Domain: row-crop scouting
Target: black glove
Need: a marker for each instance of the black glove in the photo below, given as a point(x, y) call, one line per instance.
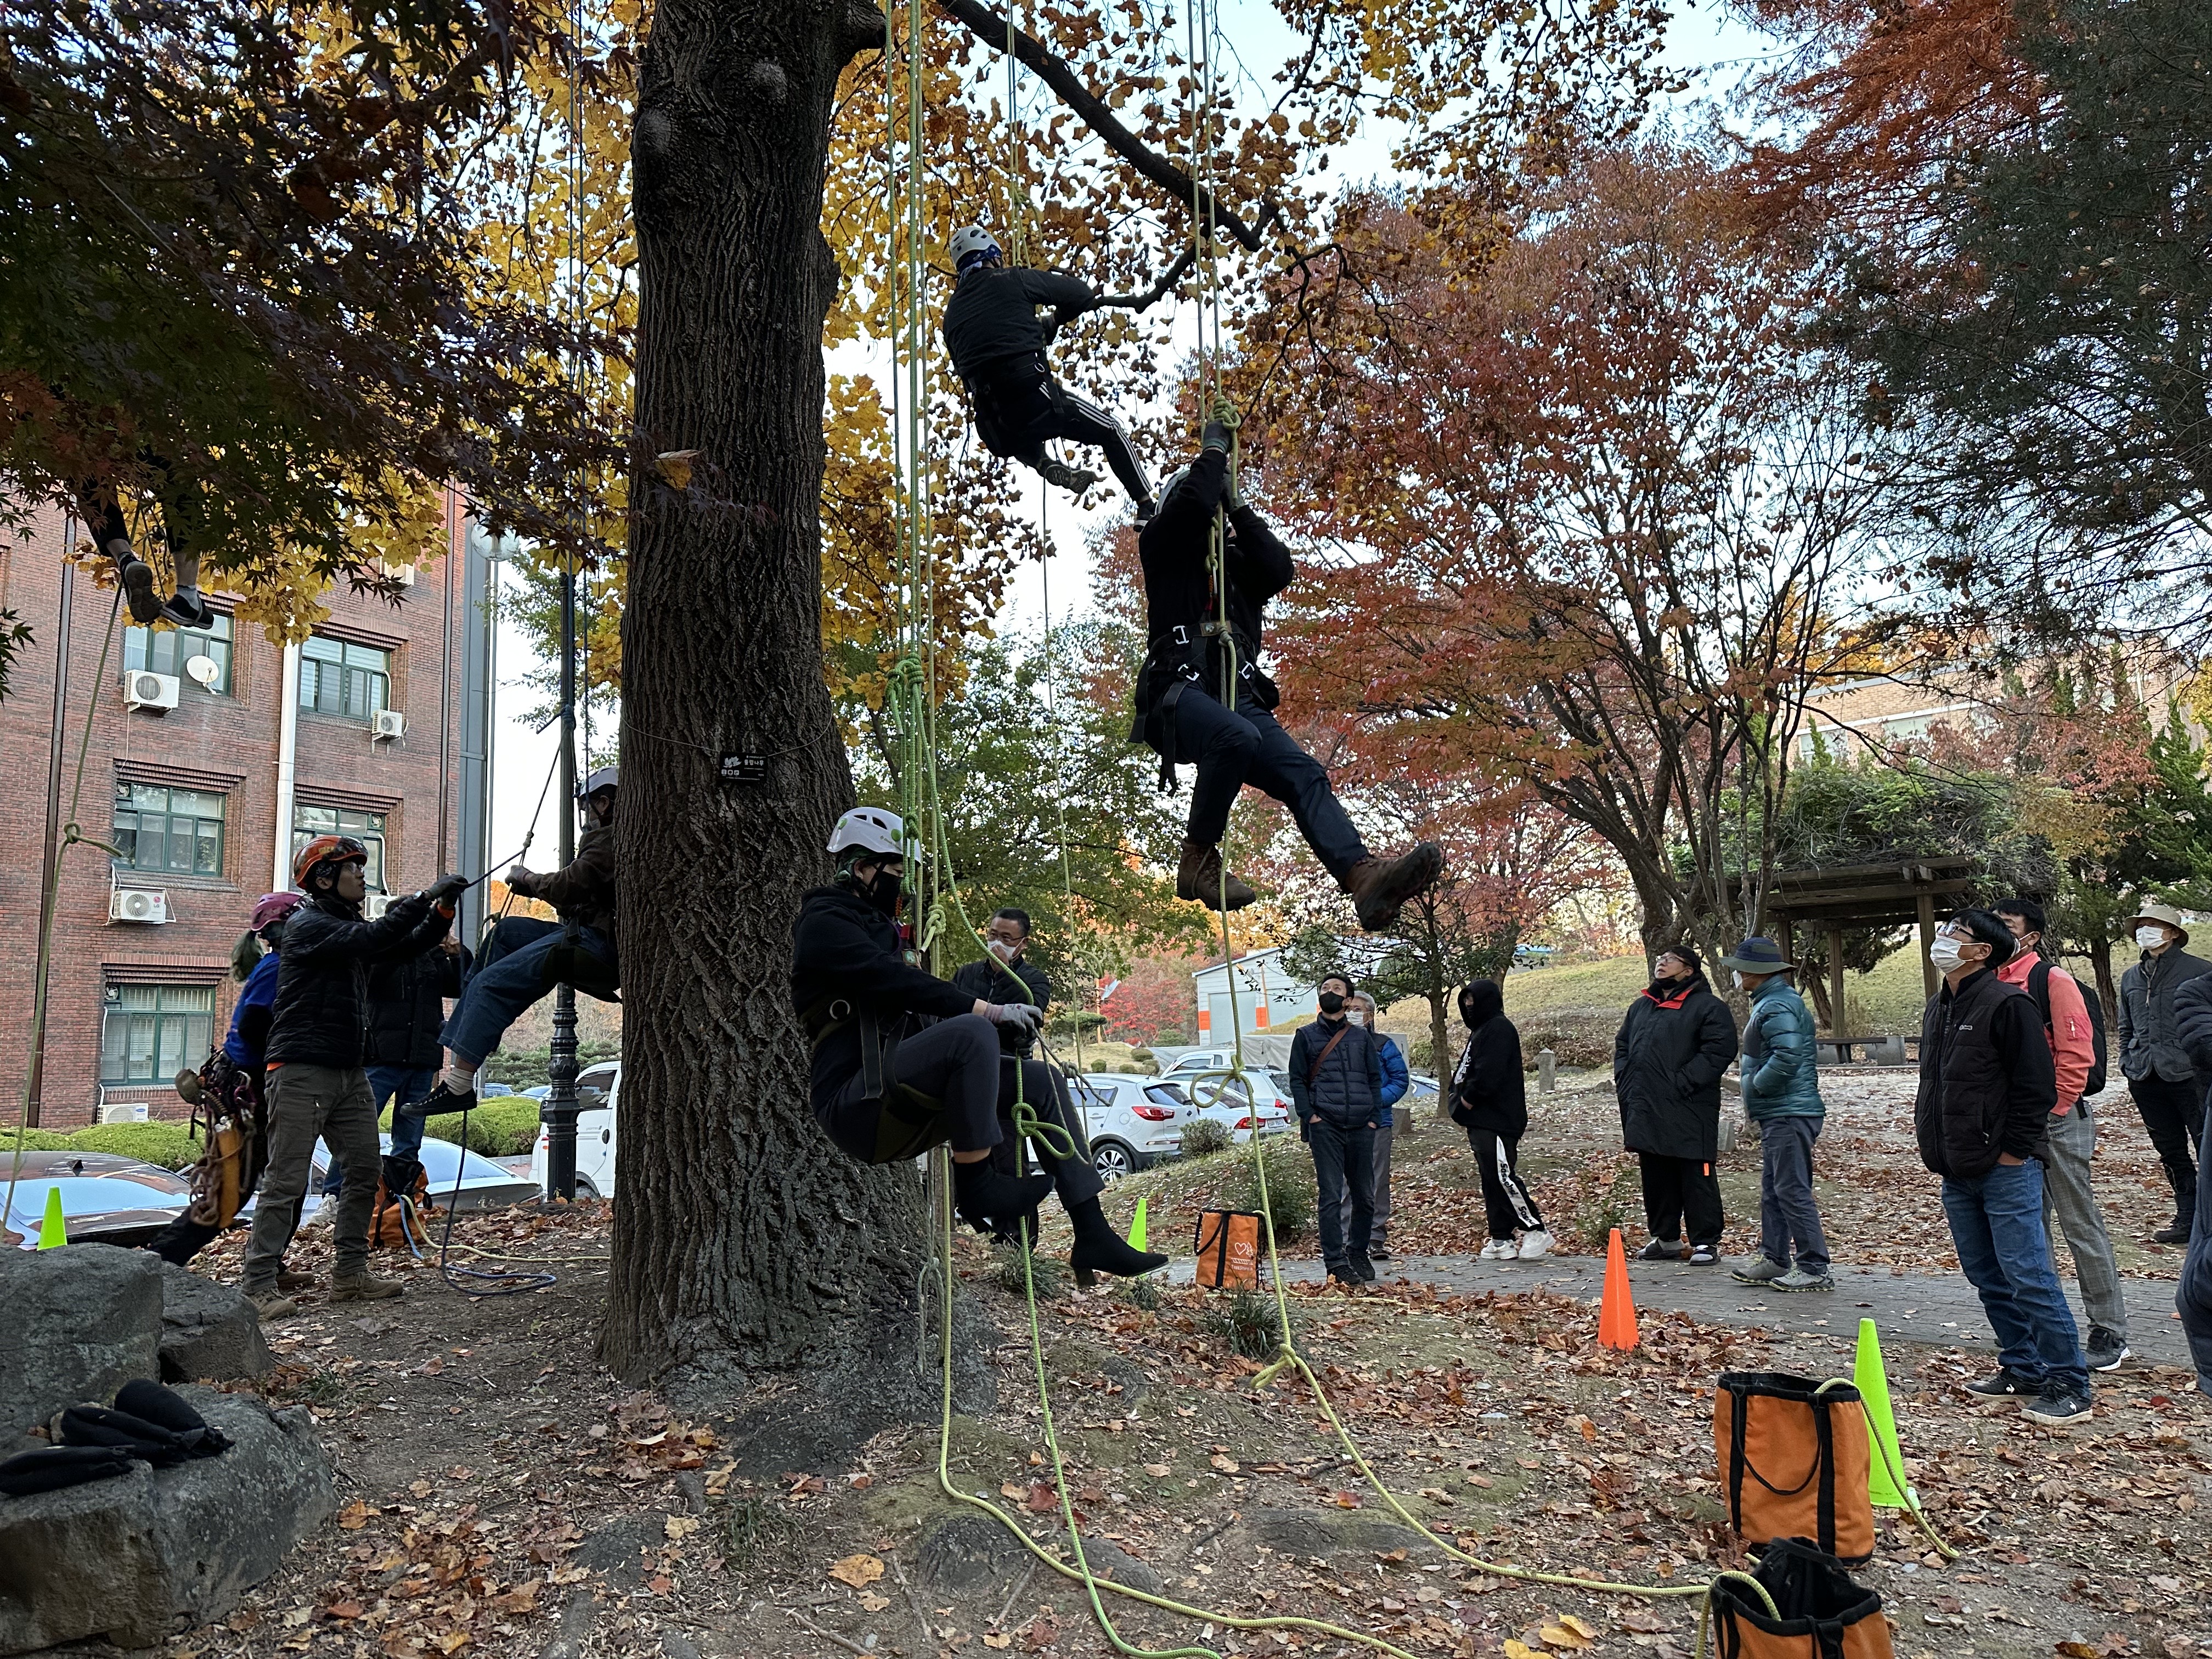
point(445, 889)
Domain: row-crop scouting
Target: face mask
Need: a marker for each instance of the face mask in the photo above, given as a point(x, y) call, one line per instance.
point(1331, 1003)
point(1001, 949)
point(1735, 978)
point(1943, 951)
point(1358, 1016)
point(884, 892)
point(2150, 938)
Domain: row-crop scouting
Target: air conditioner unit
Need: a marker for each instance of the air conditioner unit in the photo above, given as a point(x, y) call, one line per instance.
point(138, 904)
point(141, 690)
point(389, 723)
point(122, 1111)
point(373, 905)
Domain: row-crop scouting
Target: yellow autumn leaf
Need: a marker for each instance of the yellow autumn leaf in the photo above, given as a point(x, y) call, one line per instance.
point(1521, 1650)
point(1560, 1636)
point(1577, 1625)
point(858, 1571)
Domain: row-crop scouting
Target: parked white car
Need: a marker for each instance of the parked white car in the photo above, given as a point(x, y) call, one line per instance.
point(597, 1088)
point(1131, 1123)
point(1228, 1104)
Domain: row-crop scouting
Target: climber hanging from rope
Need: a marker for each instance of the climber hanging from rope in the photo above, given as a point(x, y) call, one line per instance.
point(903, 1062)
point(997, 347)
point(110, 533)
point(1180, 714)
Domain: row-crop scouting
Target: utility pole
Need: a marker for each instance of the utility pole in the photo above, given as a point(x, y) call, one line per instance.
point(559, 1112)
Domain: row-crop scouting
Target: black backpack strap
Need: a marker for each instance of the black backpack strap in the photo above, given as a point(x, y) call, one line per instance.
point(1738, 1459)
point(1826, 1500)
point(2038, 987)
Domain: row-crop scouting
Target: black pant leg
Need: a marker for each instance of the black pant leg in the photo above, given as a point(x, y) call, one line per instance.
point(1295, 778)
point(2170, 1117)
point(181, 1240)
point(1701, 1202)
point(1359, 1179)
point(1074, 1177)
point(1663, 1195)
point(954, 1064)
point(1080, 420)
point(1224, 746)
point(1326, 1142)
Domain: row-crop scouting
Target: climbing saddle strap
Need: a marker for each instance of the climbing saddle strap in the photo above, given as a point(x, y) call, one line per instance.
point(908, 1122)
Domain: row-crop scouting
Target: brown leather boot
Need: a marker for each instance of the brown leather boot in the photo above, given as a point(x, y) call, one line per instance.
point(1379, 886)
point(1199, 877)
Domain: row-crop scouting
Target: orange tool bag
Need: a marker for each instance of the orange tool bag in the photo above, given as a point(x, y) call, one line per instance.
point(1793, 1455)
point(1801, 1604)
point(1227, 1246)
point(388, 1221)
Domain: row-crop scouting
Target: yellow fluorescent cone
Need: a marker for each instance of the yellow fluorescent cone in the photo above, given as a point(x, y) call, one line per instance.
point(1874, 1388)
point(53, 1231)
point(1137, 1226)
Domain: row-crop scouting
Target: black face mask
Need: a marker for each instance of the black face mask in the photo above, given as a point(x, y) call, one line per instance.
point(884, 892)
point(1331, 1003)
point(273, 934)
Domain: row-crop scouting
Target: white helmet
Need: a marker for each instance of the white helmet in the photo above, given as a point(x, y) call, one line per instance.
point(604, 777)
point(869, 829)
point(972, 242)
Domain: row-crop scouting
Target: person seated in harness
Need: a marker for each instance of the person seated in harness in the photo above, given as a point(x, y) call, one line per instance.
point(903, 1062)
point(997, 346)
point(1182, 714)
point(526, 956)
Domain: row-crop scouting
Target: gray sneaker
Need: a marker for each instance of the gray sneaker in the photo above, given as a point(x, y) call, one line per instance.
point(1760, 1270)
point(1798, 1280)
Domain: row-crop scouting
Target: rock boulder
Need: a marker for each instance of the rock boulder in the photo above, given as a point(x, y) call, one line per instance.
point(210, 1332)
point(79, 1322)
point(131, 1559)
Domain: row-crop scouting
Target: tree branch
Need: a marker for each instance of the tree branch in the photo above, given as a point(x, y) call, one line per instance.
point(1158, 291)
point(994, 32)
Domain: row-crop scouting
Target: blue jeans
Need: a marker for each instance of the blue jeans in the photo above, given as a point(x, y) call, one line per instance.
point(1786, 1209)
point(1996, 1222)
point(512, 974)
point(400, 1086)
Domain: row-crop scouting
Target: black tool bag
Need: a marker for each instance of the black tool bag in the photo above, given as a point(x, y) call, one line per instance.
point(1818, 1612)
point(50, 1468)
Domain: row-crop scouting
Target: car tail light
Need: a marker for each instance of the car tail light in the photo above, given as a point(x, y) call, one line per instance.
point(1243, 1122)
point(1155, 1114)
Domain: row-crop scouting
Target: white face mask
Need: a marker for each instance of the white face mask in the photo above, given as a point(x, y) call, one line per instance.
point(1735, 977)
point(2150, 938)
point(1001, 949)
point(1943, 951)
point(1357, 1016)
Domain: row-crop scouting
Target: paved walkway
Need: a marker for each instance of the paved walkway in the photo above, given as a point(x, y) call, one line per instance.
point(1942, 1311)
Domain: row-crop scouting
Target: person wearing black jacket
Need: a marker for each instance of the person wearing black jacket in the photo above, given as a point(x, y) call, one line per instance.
point(997, 345)
point(1006, 976)
point(902, 1061)
point(1336, 1084)
point(2192, 1299)
point(317, 1039)
point(1981, 1114)
point(526, 956)
point(1490, 1101)
point(1676, 1040)
point(406, 1011)
point(1182, 716)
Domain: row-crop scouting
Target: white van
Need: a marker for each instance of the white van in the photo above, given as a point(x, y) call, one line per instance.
point(597, 1089)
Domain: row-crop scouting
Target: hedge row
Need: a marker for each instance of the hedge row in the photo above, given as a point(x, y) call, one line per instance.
point(497, 1128)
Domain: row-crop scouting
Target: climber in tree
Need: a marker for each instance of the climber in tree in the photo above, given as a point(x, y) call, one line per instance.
point(997, 341)
point(110, 531)
point(902, 1061)
point(1181, 712)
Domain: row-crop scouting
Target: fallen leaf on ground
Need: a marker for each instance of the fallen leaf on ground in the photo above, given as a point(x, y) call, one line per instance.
point(858, 1571)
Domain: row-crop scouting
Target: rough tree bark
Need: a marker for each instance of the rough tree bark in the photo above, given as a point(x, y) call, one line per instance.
point(743, 1241)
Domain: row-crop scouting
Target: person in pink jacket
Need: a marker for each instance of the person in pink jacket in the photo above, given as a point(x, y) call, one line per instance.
point(2068, 1193)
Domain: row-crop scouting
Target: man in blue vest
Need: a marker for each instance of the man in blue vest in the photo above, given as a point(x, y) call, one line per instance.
point(1336, 1084)
point(1987, 1086)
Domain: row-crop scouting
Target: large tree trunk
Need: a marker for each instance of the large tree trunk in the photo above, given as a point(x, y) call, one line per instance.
point(743, 1241)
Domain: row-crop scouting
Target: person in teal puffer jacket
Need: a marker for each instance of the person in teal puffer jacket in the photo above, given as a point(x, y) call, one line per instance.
point(1782, 1095)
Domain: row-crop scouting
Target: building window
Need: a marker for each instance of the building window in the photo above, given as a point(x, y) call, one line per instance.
point(172, 831)
point(350, 681)
point(367, 827)
point(152, 1032)
point(168, 650)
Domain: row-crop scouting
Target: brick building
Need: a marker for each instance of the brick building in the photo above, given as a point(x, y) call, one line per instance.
point(187, 775)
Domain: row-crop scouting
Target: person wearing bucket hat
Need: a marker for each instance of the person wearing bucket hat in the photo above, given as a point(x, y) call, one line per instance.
point(1782, 1095)
point(2168, 1090)
point(1674, 1042)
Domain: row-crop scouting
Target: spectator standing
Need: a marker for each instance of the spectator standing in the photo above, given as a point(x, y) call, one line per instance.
point(2070, 1197)
point(1982, 1116)
point(2192, 1015)
point(1396, 1079)
point(1008, 978)
point(317, 1036)
point(1782, 1095)
point(1490, 1101)
point(1336, 1084)
point(2169, 1092)
point(1676, 1040)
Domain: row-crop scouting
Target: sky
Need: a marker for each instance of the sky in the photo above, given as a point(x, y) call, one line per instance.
point(1702, 43)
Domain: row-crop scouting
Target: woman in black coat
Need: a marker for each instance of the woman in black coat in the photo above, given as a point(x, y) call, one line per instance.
point(1676, 1041)
point(1490, 1101)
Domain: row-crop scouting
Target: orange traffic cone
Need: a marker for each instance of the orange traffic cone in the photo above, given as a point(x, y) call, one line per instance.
point(1616, 1313)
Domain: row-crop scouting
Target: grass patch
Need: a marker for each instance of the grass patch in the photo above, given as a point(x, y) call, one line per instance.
point(755, 1530)
point(1250, 1323)
point(1144, 1292)
point(1049, 1273)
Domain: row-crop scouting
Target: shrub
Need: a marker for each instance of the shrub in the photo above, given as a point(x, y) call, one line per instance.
point(1250, 1323)
point(169, 1144)
point(1144, 1293)
point(1291, 1191)
point(1048, 1271)
point(1204, 1136)
point(34, 1140)
point(503, 1127)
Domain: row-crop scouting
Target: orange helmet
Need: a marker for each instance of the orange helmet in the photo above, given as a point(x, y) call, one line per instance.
point(325, 849)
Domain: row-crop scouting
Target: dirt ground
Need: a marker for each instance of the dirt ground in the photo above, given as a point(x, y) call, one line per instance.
point(501, 1496)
